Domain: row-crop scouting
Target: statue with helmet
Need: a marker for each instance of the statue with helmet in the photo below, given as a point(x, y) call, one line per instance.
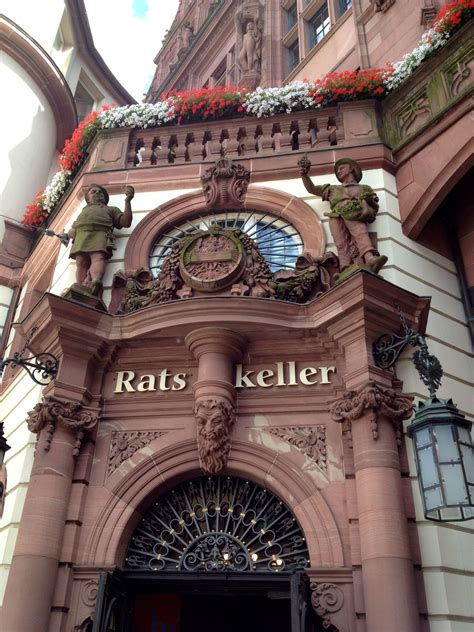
point(352, 207)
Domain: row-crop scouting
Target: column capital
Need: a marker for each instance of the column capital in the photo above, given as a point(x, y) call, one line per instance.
point(216, 340)
point(374, 399)
point(70, 415)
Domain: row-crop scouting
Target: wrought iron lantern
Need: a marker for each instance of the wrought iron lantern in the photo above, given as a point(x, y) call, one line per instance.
point(441, 435)
point(444, 459)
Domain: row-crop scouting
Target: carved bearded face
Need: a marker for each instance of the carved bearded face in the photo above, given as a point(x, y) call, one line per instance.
point(214, 421)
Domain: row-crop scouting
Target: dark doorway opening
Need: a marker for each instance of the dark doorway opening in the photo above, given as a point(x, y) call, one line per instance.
point(205, 602)
point(211, 613)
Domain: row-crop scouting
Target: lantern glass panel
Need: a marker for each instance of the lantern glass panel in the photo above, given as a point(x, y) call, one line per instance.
point(423, 437)
point(454, 484)
point(428, 469)
point(433, 498)
point(446, 443)
point(464, 435)
point(467, 452)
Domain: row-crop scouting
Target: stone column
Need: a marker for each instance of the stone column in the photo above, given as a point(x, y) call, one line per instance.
point(373, 415)
point(60, 426)
point(216, 350)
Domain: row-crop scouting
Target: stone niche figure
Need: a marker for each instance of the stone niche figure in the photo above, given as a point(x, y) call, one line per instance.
point(353, 207)
point(249, 26)
point(93, 236)
point(251, 52)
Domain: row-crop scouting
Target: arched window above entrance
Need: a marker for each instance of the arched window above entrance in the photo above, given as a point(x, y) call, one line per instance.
point(218, 524)
point(277, 239)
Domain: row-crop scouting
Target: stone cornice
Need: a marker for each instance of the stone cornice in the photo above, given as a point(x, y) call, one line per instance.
point(44, 72)
point(63, 324)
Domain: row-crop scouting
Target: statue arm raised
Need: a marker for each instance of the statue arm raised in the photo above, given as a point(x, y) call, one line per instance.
point(126, 217)
point(311, 187)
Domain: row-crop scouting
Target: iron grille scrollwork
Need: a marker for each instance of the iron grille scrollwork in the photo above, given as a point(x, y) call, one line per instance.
point(218, 524)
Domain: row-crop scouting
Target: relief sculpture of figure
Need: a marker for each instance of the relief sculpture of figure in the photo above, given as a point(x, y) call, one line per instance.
point(251, 51)
point(93, 235)
point(353, 207)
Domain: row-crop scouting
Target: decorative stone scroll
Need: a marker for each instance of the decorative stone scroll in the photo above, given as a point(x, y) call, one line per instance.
point(225, 184)
point(52, 412)
point(326, 599)
point(123, 445)
point(215, 419)
point(374, 399)
point(310, 440)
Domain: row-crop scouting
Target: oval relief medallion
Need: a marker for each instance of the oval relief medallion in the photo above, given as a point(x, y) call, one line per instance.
point(212, 260)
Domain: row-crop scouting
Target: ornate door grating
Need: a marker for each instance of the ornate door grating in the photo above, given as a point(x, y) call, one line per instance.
point(221, 524)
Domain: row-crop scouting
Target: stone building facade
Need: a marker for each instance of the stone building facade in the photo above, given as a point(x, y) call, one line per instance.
point(219, 447)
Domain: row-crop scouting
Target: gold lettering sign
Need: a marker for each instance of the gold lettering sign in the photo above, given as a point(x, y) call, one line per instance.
point(282, 374)
point(277, 375)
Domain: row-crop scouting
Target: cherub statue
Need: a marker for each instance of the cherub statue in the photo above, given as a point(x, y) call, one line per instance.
point(93, 235)
point(353, 207)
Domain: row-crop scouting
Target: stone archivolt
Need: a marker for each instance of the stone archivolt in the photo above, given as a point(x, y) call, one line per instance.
point(215, 419)
point(123, 445)
point(310, 440)
point(52, 412)
point(374, 399)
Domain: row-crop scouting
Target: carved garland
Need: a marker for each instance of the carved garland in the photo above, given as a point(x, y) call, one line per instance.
point(373, 398)
point(310, 440)
point(52, 412)
point(123, 445)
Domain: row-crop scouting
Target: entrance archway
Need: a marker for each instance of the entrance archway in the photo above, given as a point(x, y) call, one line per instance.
point(215, 554)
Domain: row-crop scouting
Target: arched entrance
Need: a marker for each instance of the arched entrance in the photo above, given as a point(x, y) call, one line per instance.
point(214, 554)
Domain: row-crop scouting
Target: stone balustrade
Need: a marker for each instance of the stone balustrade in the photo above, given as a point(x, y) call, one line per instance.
point(348, 124)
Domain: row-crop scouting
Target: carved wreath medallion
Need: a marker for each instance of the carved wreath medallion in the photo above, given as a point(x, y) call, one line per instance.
point(212, 260)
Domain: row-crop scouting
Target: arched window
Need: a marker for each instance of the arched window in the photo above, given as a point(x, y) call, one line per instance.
point(278, 241)
point(218, 524)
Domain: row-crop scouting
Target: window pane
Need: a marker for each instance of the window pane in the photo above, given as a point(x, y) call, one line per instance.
point(428, 471)
point(344, 5)
point(293, 55)
point(433, 499)
point(318, 25)
point(292, 16)
point(454, 485)
point(446, 443)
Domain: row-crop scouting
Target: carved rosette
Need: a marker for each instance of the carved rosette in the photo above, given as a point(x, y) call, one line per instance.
point(225, 184)
point(310, 440)
point(373, 399)
point(326, 599)
point(123, 445)
point(215, 419)
point(52, 412)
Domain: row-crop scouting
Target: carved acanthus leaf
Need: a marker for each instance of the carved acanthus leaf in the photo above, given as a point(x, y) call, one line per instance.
point(373, 399)
point(124, 444)
point(52, 412)
point(310, 440)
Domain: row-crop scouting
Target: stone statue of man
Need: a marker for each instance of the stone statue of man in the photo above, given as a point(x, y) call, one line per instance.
point(93, 235)
point(251, 51)
point(353, 207)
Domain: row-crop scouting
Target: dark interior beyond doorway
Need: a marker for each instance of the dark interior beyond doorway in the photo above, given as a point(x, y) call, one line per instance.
point(211, 613)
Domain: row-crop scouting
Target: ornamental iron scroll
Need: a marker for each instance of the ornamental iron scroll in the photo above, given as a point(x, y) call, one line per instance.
point(218, 524)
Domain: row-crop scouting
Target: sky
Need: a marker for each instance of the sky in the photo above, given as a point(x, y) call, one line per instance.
point(128, 34)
